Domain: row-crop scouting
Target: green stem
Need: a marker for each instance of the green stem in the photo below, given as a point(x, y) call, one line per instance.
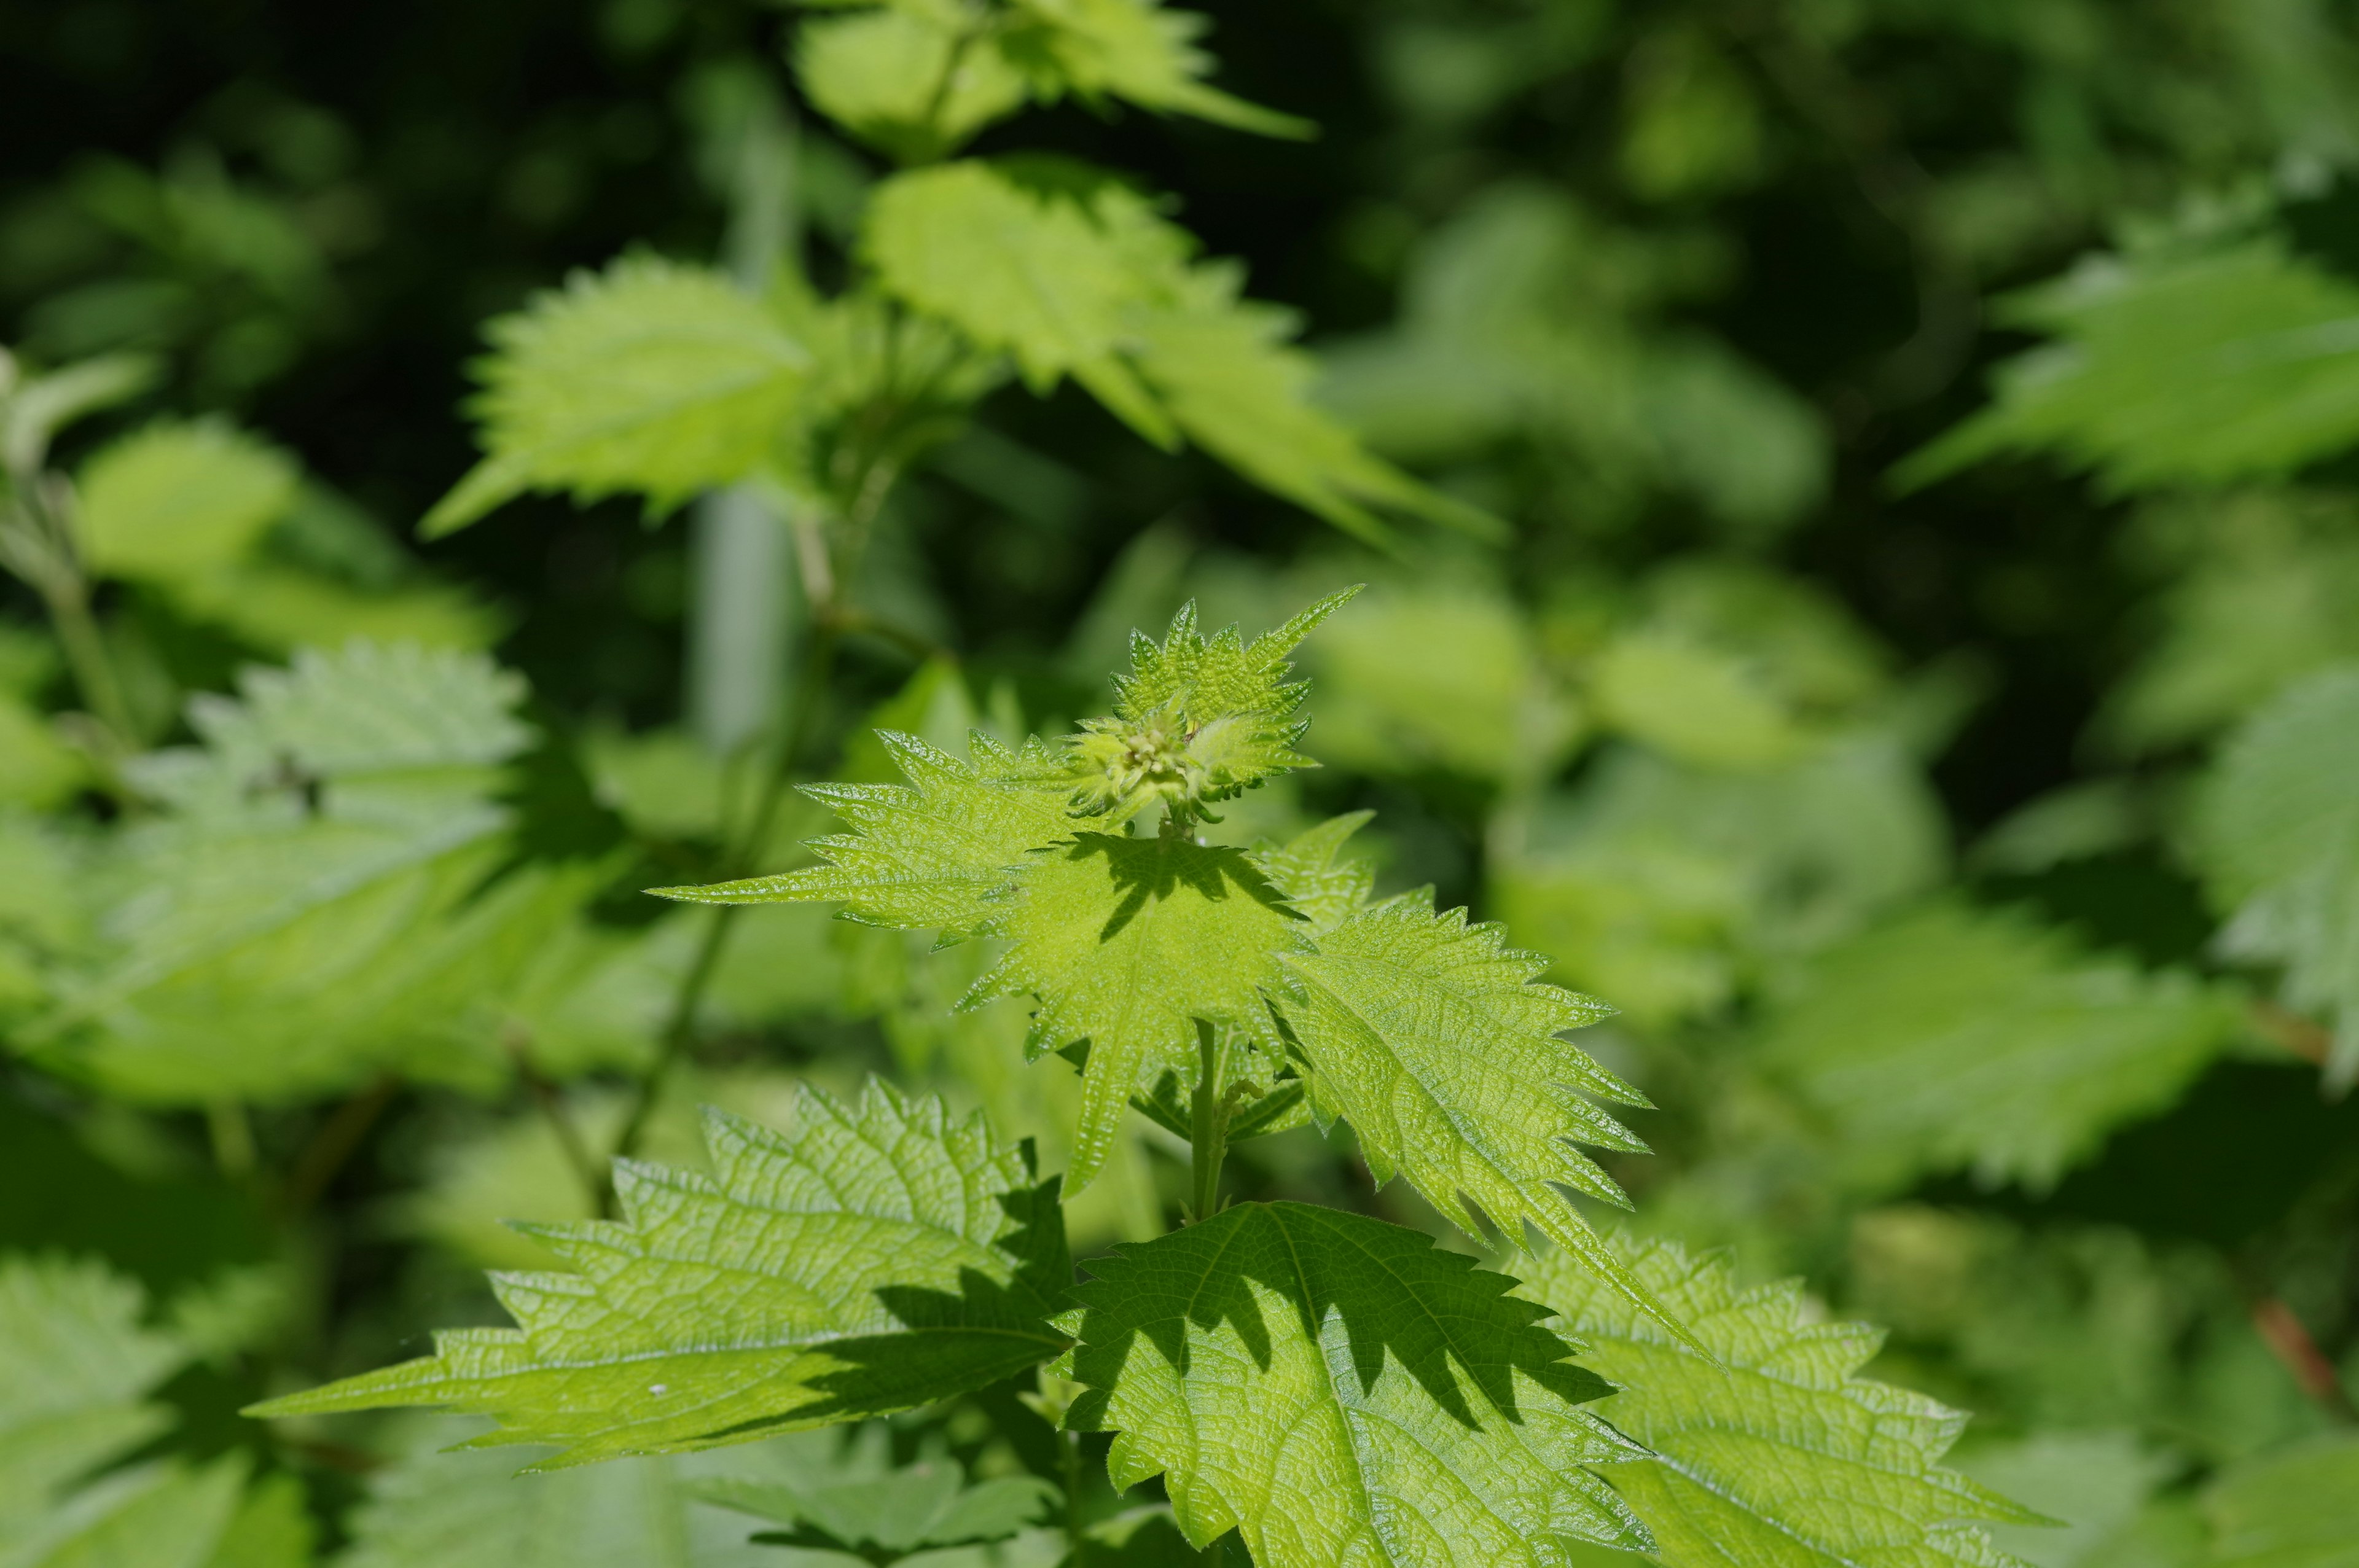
point(1069, 1442)
point(233, 1139)
point(818, 668)
point(85, 648)
point(1208, 1129)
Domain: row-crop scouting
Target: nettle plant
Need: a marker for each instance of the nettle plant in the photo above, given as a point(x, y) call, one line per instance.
point(1332, 1388)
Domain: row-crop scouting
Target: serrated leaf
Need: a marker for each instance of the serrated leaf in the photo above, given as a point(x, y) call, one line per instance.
point(1322, 884)
point(874, 1259)
point(1198, 718)
point(74, 1361)
point(1956, 1038)
point(1132, 50)
point(1070, 272)
point(439, 1504)
point(306, 899)
point(1780, 1454)
point(652, 377)
point(1128, 943)
point(1225, 370)
point(908, 83)
point(74, 1364)
point(2278, 837)
point(874, 1510)
point(2187, 366)
point(1338, 1391)
point(931, 854)
point(1431, 1038)
point(179, 500)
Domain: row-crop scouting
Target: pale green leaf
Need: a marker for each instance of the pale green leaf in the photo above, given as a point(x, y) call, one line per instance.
point(1779, 1456)
point(1225, 373)
point(279, 610)
point(1198, 718)
point(2189, 366)
point(2297, 1508)
point(33, 412)
point(176, 501)
point(1338, 1391)
point(904, 81)
point(864, 1506)
point(1693, 702)
point(1044, 265)
point(1320, 883)
point(438, 1506)
point(74, 1361)
point(874, 1259)
point(301, 915)
point(652, 377)
point(1070, 272)
point(933, 853)
point(36, 769)
point(1431, 1038)
point(1957, 1038)
point(1128, 943)
point(2278, 837)
point(1130, 49)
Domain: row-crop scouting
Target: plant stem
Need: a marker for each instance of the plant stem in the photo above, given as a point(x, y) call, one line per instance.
point(336, 1141)
point(1208, 1129)
point(2291, 1344)
point(818, 668)
point(233, 1139)
point(1069, 1446)
point(94, 671)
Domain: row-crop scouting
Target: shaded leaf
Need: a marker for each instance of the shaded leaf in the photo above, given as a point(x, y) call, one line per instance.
point(1338, 1391)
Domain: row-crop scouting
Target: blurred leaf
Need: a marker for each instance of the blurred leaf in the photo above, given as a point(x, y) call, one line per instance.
point(1132, 50)
point(33, 409)
point(176, 501)
point(278, 610)
point(883, 1517)
point(1072, 273)
point(651, 376)
point(2258, 588)
point(1775, 1450)
point(73, 1363)
point(2183, 365)
point(1338, 1391)
point(443, 1503)
point(301, 915)
point(2279, 839)
point(36, 769)
point(1692, 702)
point(1961, 1038)
point(1439, 674)
point(904, 79)
point(2296, 1509)
point(2094, 1482)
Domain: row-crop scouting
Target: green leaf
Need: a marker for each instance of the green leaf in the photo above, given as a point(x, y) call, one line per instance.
point(2279, 839)
point(441, 1506)
point(301, 915)
point(904, 81)
point(32, 413)
point(651, 376)
point(1430, 1037)
point(74, 1362)
point(1198, 719)
point(1322, 884)
point(1072, 273)
point(1779, 1454)
point(1338, 1391)
point(1692, 702)
point(176, 501)
point(1128, 943)
point(873, 1510)
point(930, 854)
point(1961, 1038)
point(874, 1259)
point(1130, 49)
point(1224, 370)
point(2191, 366)
point(2297, 1508)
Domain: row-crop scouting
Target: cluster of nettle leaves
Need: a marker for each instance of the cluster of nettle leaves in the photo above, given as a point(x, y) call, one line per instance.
point(328, 894)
